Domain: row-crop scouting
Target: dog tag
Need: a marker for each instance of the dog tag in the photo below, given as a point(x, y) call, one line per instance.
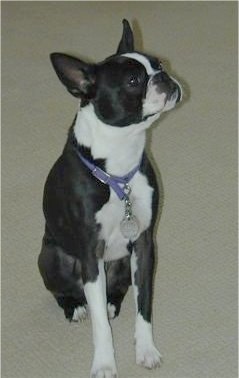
point(129, 227)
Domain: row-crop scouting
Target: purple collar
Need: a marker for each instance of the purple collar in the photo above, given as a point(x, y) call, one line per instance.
point(113, 181)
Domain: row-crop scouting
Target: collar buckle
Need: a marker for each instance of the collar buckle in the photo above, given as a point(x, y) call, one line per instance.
point(114, 182)
point(101, 175)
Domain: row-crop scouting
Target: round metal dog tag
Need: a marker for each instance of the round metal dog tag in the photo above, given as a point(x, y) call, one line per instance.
point(129, 227)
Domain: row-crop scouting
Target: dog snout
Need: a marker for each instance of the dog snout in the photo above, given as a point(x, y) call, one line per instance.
point(165, 83)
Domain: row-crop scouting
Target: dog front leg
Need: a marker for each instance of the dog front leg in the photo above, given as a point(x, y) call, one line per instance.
point(104, 361)
point(142, 271)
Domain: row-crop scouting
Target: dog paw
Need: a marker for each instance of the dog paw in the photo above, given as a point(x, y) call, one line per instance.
point(111, 311)
point(104, 372)
point(148, 356)
point(80, 314)
point(104, 364)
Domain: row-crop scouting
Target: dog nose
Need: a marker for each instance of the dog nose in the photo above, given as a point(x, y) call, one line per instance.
point(179, 94)
point(178, 90)
point(175, 92)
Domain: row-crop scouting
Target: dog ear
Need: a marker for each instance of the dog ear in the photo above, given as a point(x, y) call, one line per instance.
point(127, 40)
point(77, 76)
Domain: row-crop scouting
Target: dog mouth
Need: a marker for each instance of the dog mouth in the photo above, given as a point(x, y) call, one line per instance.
point(149, 116)
point(171, 99)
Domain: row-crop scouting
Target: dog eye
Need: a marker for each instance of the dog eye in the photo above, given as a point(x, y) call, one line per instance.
point(134, 81)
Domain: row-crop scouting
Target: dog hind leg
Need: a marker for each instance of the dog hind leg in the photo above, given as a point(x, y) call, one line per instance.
point(61, 274)
point(74, 308)
point(118, 279)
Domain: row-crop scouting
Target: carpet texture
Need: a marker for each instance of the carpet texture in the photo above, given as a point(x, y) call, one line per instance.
point(195, 149)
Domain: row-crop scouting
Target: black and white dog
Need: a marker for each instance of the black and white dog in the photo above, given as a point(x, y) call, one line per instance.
point(101, 197)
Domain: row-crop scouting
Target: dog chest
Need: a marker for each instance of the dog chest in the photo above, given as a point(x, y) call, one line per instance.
point(112, 213)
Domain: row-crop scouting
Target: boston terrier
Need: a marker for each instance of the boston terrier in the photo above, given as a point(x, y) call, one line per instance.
point(101, 197)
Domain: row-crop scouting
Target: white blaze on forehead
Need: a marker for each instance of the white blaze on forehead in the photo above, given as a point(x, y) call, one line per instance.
point(143, 60)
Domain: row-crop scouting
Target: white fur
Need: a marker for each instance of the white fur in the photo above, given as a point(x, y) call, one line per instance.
point(122, 148)
point(154, 102)
point(80, 313)
point(112, 214)
point(143, 60)
point(111, 310)
point(147, 354)
point(104, 361)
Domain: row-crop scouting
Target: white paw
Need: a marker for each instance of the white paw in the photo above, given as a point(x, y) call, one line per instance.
point(148, 356)
point(104, 372)
point(80, 313)
point(104, 364)
point(111, 310)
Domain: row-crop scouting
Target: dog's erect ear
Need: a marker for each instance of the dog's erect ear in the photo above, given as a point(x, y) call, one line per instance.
point(127, 40)
point(77, 76)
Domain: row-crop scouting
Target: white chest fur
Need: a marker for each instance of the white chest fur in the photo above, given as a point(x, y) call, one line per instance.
point(112, 213)
point(122, 149)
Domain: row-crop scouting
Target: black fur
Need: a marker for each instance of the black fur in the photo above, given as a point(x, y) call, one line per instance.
point(71, 245)
point(83, 240)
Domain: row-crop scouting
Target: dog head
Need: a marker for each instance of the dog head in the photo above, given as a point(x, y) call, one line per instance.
point(126, 88)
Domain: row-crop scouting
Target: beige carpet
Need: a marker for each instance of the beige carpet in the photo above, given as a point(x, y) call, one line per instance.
point(195, 147)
